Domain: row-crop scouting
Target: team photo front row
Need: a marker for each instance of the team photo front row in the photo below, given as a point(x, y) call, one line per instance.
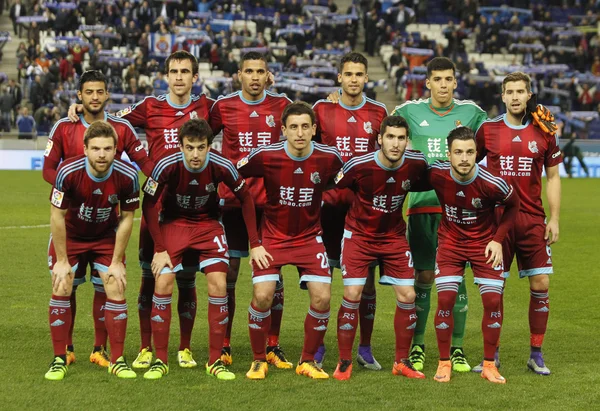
point(95, 195)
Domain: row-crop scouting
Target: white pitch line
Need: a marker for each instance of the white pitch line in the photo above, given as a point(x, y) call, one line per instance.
point(22, 227)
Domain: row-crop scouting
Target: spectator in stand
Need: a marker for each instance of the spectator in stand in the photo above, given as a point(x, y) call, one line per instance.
point(230, 66)
point(36, 94)
point(585, 96)
point(78, 53)
point(596, 66)
point(6, 105)
point(42, 117)
point(66, 67)
point(26, 125)
point(17, 10)
point(15, 91)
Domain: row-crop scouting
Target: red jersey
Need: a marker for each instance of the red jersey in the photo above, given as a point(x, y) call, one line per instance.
point(380, 192)
point(91, 202)
point(247, 125)
point(294, 187)
point(468, 207)
point(518, 154)
point(352, 130)
point(162, 119)
point(66, 141)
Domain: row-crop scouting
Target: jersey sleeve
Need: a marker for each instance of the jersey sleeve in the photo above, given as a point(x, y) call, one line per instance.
point(480, 140)
point(135, 149)
point(136, 114)
point(53, 154)
point(216, 118)
point(60, 195)
point(553, 154)
point(252, 164)
point(130, 194)
point(479, 116)
point(346, 175)
point(317, 109)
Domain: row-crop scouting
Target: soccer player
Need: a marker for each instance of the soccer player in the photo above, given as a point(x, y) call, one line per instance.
point(65, 142)
point(161, 117)
point(430, 121)
point(249, 118)
point(352, 126)
point(468, 233)
point(94, 199)
point(519, 152)
point(295, 174)
point(375, 231)
point(190, 221)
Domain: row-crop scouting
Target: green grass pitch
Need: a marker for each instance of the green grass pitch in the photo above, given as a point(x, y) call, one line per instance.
point(571, 347)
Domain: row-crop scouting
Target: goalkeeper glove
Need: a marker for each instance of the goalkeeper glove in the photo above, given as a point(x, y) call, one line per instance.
point(541, 116)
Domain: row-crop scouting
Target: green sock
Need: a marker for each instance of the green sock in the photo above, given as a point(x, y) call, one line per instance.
point(422, 303)
point(460, 315)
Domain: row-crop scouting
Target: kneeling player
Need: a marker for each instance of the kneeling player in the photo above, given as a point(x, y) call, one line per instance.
point(469, 194)
point(190, 221)
point(376, 231)
point(85, 223)
point(295, 173)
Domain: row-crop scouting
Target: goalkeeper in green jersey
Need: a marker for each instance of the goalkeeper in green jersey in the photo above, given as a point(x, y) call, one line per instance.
point(430, 121)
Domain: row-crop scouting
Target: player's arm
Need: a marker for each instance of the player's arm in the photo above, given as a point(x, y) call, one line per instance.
point(116, 271)
point(553, 191)
point(62, 269)
point(480, 140)
point(216, 118)
point(252, 164)
point(422, 182)
point(136, 152)
point(511, 204)
point(151, 209)
point(53, 155)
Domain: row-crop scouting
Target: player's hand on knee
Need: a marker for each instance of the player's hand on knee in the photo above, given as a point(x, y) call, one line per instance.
point(551, 235)
point(61, 274)
point(260, 256)
point(117, 273)
point(494, 251)
point(74, 110)
point(160, 261)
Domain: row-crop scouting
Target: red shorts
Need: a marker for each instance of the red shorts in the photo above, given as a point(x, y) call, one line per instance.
point(80, 273)
point(333, 219)
point(451, 260)
point(310, 258)
point(394, 258)
point(526, 241)
point(146, 252)
point(97, 253)
point(206, 238)
point(235, 231)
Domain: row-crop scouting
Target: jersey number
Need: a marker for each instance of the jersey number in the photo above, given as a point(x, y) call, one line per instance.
point(324, 261)
point(220, 242)
point(410, 260)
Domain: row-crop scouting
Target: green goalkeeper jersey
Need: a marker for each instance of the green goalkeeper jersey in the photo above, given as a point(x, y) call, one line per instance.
point(429, 127)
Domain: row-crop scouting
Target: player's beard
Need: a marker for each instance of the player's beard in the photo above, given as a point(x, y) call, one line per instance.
point(461, 173)
point(100, 169)
point(387, 155)
point(353, 92)
point(95, 111)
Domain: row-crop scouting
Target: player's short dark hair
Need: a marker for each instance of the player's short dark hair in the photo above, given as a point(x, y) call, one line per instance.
point(394, 121)
point(196, 130)
point(440, 64)
point(297, 108)
point(92, 76)
point(354, 57)
point(460, 133)
point(253, 55)
point(182, 55)
point(517, 76)
point(99, 128)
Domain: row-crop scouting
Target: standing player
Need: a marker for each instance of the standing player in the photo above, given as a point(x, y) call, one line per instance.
point(249, 118)
point(351, 126)
point(519, 153)
point(161, 117)
point(430, 122)
point(87, 196)
point(190, 221)
point(375, 231)
point(295, 174)
point(66, 141)
point(469, 194)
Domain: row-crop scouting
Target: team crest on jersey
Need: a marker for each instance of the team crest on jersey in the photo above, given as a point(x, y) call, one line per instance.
point(367, 127)
point(193, 115)
point(270, 120)
point(113, 199)
point(57, 197)
point(476, 203)
point(339, 176)
point(406, 185)
point(315, 177)
point(242, 162)
point(48, 148)
point(210, 188)
point(458, 124)
point(533, 147)
point(150, 186)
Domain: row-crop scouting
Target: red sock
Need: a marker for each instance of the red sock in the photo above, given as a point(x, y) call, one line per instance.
point(368, 304)
point(405, 321)
point(276, 315)
point(217, 325)
point(491, 323)
point(186, 307)
point(161, 324)
point(347, 321)
point(259, 323)
point(539, 309)
point(444, 321)
point(100, 334)
point(115, 318)
point(59, 318)
point(145, 308)
point(231, 311)
point(315, 327)
point(73, 301)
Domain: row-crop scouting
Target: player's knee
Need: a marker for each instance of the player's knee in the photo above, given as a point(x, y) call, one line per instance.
point(164, 284)
point(405, 295)
point(492, 301)
point(539, 282)
point(216, 283)
point(320, 301)
point(353, 292)
point(424, 276)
